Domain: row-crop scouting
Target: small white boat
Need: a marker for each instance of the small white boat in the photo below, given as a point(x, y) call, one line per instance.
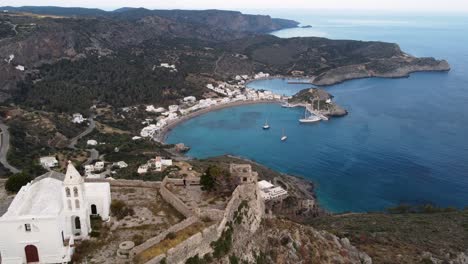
point(266, 126)
point(284, 137)
point(309, 119)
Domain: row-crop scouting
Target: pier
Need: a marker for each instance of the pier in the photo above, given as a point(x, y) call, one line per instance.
point(310, 108)
point(299, 82)
point(316, 112)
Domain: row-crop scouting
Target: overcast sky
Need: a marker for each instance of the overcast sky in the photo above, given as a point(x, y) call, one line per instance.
point(384, 5)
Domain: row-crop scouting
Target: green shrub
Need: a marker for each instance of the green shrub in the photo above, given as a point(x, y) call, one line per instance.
point(222, 246)
point(137, 239)
point(16, 181)
point(207, 182)
point(233, 259)
point(120, 210)
point(195, 260)
point(95, 233)
point(170, 235)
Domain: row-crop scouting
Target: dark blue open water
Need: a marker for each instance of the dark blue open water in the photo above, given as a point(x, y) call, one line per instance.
point(404, 141)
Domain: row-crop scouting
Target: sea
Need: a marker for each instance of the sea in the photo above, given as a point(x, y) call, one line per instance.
point(404, 141)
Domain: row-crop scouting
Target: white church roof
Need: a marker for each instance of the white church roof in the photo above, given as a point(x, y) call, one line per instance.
point(40, 198)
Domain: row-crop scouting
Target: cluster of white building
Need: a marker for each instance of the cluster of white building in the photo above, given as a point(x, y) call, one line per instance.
point(156, 164)
point(96, 167)
point(269, 191)
point(231, 93)
point(48, 215)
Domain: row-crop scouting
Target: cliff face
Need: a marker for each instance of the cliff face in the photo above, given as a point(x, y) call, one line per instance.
point(282, 241)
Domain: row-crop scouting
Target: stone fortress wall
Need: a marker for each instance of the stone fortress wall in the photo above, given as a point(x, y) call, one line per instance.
point(200, 243)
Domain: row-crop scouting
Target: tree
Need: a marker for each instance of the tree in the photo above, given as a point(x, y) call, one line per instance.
point(208, 180)
point(16, 181)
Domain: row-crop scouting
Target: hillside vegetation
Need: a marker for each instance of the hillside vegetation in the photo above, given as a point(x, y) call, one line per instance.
point(404, 238)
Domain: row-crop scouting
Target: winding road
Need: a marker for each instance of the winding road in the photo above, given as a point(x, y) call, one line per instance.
point(4, 147)
point(92, 125)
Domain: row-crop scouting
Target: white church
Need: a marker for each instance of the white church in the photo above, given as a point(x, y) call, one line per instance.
point(48, 215)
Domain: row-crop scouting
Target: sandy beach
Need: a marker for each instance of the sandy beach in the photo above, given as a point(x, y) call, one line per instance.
point(161, 137)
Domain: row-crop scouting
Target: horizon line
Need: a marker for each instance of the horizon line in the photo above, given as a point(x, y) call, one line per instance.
point(242, 9)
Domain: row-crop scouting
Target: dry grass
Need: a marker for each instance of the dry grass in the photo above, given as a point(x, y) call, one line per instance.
point(105, 129)
point(169, 243)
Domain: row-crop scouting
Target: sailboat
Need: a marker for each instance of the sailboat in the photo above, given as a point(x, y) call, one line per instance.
point(266, 126)
point(309, 119)
point(284, 137)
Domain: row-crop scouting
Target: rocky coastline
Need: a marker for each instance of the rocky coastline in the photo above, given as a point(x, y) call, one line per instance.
point(392, 68)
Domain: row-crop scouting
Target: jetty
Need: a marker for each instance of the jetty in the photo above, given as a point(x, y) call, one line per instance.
point(309, 108)
point(316, 112)
point(299, 82)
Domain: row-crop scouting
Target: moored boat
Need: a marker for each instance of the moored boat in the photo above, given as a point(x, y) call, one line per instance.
point(284, 137)
point(309, 119)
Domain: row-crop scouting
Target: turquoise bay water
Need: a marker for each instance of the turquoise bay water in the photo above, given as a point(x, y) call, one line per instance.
point(404, 140)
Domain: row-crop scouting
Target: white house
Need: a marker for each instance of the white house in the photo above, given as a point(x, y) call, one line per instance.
point(166, 162)
point(151, 108)
point(20, 67)
point(78, 118)
point(121, 164)
point(167, 65)
point(173, 108)
point(270, 192)
point(48, 214)
point(142, 169)
point(48, 162)
point(88, 169)
point(92, 142)
point(158, 164)
point(190, 99)
point(99, 165)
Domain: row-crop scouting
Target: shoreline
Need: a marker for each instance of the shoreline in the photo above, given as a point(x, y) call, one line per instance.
point(162, 136)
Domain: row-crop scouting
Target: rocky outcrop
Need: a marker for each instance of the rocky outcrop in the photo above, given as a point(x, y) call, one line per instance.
point(320, 100)
point(282, 241)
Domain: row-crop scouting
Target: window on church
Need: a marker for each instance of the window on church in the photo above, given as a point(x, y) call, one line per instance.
point(75, 192)
point(67, 191)
point(27, 227)
point(69, 205)
point(77, 204)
